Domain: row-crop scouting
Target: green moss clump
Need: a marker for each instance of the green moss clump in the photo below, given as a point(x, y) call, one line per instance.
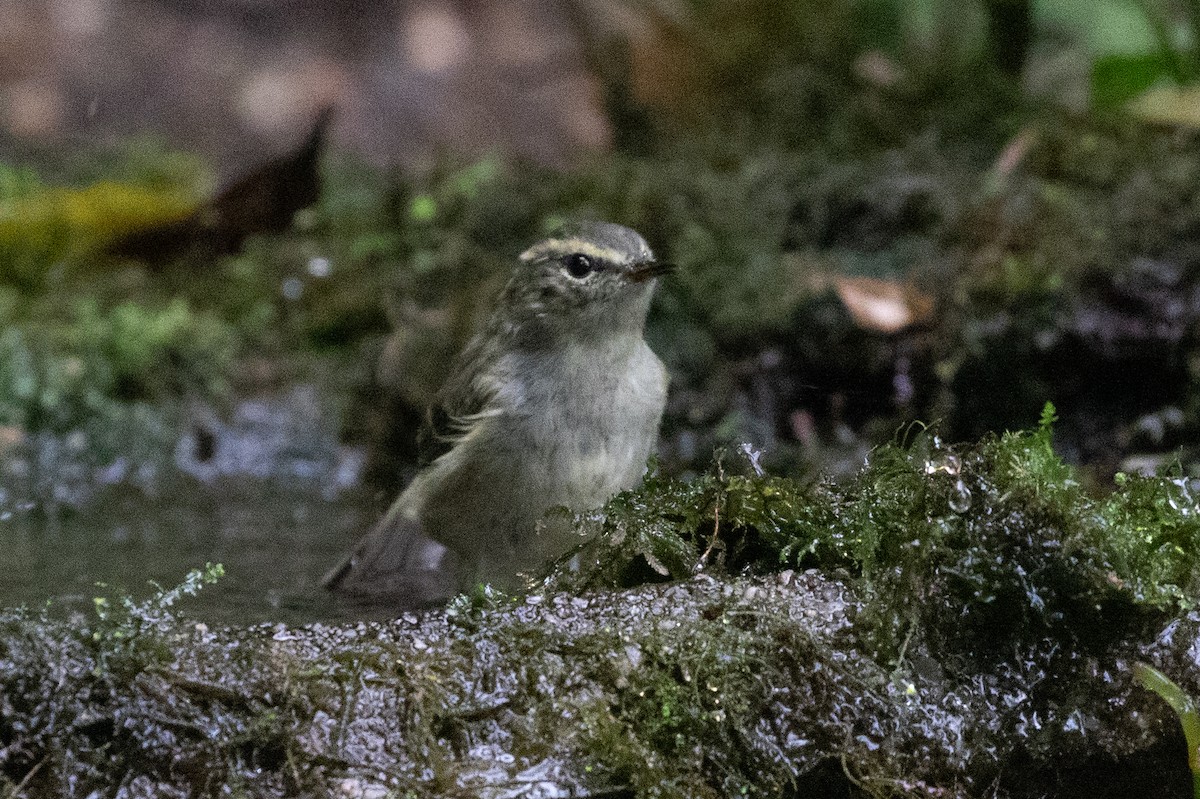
point(971, 550)
point(690, 701)
point(729, 519)
point(1156, 535)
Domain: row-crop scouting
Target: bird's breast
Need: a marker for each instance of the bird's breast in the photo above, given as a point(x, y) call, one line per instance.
point(565, 430)
point(591, 416)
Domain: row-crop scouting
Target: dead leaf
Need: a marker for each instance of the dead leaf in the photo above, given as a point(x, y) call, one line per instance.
point(883, 306)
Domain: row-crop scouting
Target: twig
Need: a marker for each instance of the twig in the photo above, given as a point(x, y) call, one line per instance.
point(28, 776)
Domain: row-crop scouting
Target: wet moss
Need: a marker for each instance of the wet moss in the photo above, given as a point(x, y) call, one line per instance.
point(136, 721)
point(692, 701)
point(971, 550)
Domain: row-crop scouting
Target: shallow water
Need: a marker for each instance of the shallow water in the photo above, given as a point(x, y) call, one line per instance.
point(267, 490)
point(274, 542)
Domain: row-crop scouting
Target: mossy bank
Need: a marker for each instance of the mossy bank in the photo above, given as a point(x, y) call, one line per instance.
point(947, 622)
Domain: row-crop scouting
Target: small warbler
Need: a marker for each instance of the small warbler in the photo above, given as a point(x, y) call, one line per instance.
point(555, 402)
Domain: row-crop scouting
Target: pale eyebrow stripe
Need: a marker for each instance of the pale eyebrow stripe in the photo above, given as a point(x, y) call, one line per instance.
point(568, 246)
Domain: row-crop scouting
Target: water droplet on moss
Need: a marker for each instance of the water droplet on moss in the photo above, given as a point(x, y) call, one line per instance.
point(960, 498)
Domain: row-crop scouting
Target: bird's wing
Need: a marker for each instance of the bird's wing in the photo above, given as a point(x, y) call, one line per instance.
point(393, 561)
point(464, 399)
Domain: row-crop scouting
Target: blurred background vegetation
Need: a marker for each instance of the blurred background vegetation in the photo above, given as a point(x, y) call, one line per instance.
point(883, 211)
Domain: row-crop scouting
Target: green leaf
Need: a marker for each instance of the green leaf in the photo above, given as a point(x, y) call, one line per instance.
point(1117, 79)
point(1185, 708)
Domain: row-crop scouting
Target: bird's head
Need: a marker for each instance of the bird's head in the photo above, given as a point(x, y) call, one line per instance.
point(594, 273)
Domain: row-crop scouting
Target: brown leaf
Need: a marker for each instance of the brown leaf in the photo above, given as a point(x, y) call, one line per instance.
point(883, 306)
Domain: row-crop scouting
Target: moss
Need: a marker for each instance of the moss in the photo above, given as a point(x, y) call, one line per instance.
point(972, 550)
point(1156, 536)
point(690, 701)
point(89, 367)
point(137, 717)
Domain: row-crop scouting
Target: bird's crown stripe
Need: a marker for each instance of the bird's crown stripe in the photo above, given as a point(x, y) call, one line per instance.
point(557, 247)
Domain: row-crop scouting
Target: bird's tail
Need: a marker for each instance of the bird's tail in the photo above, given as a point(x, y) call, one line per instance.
point(394, 564)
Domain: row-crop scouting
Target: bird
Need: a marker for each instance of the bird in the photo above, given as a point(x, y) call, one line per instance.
point(555, 402)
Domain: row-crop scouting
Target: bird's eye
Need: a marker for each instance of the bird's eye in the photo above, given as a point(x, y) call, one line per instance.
point(578, 266)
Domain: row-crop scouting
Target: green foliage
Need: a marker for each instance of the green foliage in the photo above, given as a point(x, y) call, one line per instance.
point(58, 374)
point(1148, 44)
point(16, 183)
point(91, 351)
point(126, 633)
point(157, 351)
point(133, 615)
point(1117, 79)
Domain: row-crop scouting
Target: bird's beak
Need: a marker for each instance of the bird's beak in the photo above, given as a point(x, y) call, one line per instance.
point(641, 272)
